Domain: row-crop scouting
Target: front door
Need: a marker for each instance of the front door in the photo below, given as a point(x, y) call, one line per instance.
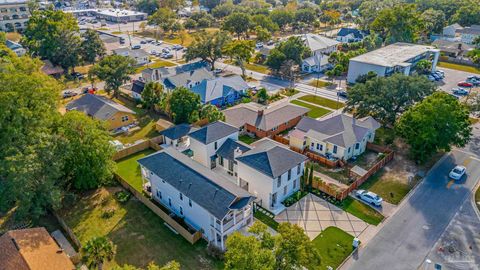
point(274, 199)
point(213, 162)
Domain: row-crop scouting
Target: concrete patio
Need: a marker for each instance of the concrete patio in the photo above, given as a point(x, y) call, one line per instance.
point(314, 214)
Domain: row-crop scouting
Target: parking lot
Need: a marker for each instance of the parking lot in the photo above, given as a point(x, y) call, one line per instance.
point(452, 78)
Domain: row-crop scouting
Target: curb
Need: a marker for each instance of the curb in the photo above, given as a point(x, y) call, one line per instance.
point(476, 207)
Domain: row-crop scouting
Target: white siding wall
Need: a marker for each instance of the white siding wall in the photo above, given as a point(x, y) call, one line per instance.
point(263, 186)
point(202, 152)
point(356, 69)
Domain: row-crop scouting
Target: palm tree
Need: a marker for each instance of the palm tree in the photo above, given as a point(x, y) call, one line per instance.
point(97, 250)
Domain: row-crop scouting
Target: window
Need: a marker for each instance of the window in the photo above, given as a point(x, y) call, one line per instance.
point(357, 145)
point(181, 211)
point(181, 197)
point(285, 190)
point(312, 145)
point(169, 202)
point(216, 145)
point(220, 161)
point(279, 181)
point(23, 9)
point(318, 146)
point(274, 128)
point(304, 143)
point(334, 149)
point(298, 169)
point(289, 174)
point(321, 147)
point(159, 194)
point(125, 118)
point(294, 184)
point(190, 202)
point(349, 148)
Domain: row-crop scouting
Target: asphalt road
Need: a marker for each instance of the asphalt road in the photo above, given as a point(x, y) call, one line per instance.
point(408, 236)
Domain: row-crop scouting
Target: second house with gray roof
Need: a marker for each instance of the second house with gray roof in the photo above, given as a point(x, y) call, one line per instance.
point(340, 136)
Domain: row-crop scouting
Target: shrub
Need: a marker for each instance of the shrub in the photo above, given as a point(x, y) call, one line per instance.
point(108, 213)
point(122, 196)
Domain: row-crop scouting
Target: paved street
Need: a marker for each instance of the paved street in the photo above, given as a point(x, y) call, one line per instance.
point(408, 236)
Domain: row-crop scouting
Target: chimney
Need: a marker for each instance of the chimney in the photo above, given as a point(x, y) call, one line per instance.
point(260, 112)
point(237, 152)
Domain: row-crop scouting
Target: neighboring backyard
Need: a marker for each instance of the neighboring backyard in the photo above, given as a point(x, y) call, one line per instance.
point(156, 63)
point(247, 139)
point(334, 246)
point(315, 111)
point(140, 235)
point(128, 168)
point(325, 102)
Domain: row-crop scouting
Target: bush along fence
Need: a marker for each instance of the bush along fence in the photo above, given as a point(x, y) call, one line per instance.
point(190, 234)
point(67, 230)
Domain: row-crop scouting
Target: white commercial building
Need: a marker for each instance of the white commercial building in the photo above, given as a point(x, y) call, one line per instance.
point(113, 15)
point(14, 15)
point(396, 58)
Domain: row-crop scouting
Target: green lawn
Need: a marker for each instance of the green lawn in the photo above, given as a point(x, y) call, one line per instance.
point(362, 211)
point(155, 64)
point(390, 190)
point(315, 111)
point(266, 219)
point(257, 68)
point(139, 235)
point(319, 83)
point(129, 169)
point(325, 102)
point(334, 246)
point(459, 67)
point(247, 139)
point(146, 122)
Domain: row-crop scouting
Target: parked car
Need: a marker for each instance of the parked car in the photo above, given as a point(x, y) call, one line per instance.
point(436, 76)
point(431, 78)
point(457, 172)
point(465, 84)
point(441, 73)
point(166, 55)
point(217, 71)
point(177, 47)
point(143, 42)
point(342, 94)
point(259, 45)
point(77, 75)
point(369, 197)
point(136, 47)
point(68, 94)
point(153, 52)
point(460, 91)
point(90, 90)
point(270, 42)
point(166, 50)
point(122, 41)
point(455, 96)
point(158, 43)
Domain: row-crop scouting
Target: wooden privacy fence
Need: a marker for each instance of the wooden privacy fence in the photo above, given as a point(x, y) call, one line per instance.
point(68, 231)
point(340, 194)
point(322, 160)
point(281, 139)
point(153, 143)
point(184, 232)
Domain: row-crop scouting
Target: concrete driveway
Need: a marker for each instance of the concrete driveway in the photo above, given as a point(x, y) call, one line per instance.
point(314, 214)
point(408, 236)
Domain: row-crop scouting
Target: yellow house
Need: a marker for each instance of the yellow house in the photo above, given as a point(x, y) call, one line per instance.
point(105, 109)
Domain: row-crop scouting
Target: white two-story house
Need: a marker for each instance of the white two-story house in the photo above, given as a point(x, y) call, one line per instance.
point(340, 136)
point(206, 141)
point(271, 172)
point(205, 200)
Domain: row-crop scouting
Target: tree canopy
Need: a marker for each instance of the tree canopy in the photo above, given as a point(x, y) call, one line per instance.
point(237, 23)
point(114, 70)
point(92, 46)
point(385, 98)
point(240, 51)
point(435, 124)
point(207, 46)
point(184, 105)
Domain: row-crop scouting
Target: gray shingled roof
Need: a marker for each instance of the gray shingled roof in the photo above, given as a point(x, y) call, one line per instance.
point(97, 106)
point(211, 191)
point(183, 78)
point(228, 147)
point(316, 42)
point(177, 131)
point(213, 132)
point(211, 89)
point(271, 158)
point(271, 117)
point(339, 129)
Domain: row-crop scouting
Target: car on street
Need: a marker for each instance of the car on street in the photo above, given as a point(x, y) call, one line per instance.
point(259, 45)
point(369, 197)
point(342, 94)
point(177, 47)
point(440, 73)
point(77, 75)
point(457, 172)
point(431, 78)
point(460, 91)
point(136, 47)
point(68, 94)
point(436, 76)
point(89, 90)
point(465, 84)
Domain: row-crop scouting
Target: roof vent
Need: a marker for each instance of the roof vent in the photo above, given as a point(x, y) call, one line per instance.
point(59, 251)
